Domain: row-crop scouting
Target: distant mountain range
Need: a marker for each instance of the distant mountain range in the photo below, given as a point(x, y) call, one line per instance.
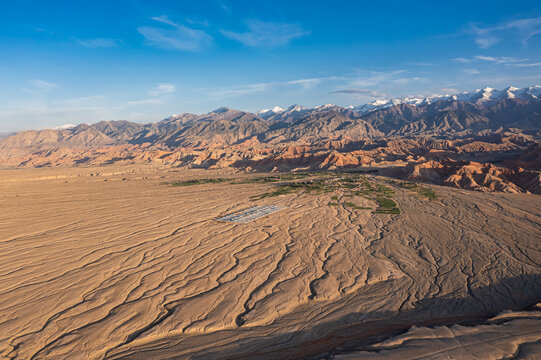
point(447, 116)
point(483, 96)
point(485, 125)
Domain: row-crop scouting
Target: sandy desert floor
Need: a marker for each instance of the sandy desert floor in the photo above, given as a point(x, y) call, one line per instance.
point(110, 262)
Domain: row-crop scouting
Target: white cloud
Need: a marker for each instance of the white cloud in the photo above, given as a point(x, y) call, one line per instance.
point(180, 37)
point(267, 34)
point(528, 64)
point(305, 83)
point(525, 29)
point(492, 59)
point(240, 90)
point(203, 22)
point(40, 87)
point(225, 8)
point(449, 91)
point(80, 100)
point(138, 102)
point(500, 59)
point(422, 64)
point(100, 43)
point(407, 80)
point(462, 60)
point(374, 78)
point(248, 89)
point(360, 92)
point(162, 89)
point(484, 42)
point(43, 85)
point(471, 71)
point(368, 84)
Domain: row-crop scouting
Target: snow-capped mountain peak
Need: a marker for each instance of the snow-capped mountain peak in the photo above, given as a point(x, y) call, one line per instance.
point(323, 107)
point(484, 96)
point(220, 110)
point(296, 108)
point(274, 110)
point(62, 127)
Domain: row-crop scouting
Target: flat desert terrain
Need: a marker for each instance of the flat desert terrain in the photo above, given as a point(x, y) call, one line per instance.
point(115, 263)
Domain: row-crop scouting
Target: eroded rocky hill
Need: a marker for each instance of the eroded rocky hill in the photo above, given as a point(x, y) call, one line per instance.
point(499, 127)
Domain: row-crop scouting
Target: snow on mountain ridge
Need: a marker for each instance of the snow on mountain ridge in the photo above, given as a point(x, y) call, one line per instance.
point(61, 127)
point(482, 96)
point(268, 113)
point(323, 107)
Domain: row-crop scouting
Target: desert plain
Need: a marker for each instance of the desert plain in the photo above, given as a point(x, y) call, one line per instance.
point(114, 262)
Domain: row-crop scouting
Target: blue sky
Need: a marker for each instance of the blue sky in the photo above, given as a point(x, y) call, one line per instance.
point(85, 61)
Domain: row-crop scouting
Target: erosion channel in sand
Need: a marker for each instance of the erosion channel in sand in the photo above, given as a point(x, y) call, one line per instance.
point(130, 262)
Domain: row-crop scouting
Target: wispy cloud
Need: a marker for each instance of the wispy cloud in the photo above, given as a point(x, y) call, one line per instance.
point(267, 34)
point(462, 60)
point(421, 64)
point(373, 78)
point(500, 59)
point(305, 83)
point(240, 90)
point(100, 43)
point(449, 91)
point(79, 100)
point(484, 42)
point(491, 59)
point(360, 92)
point(525, 29)
point(528, 64)
point(509, 61)
point(471, 71)
point(224, 7)
point(138, 102)
point(483, 36)
point(40, 87)
point(249, 89)
point(162, 89)
point(176, 37)
point(349, 85)
point(406, 80)
point(203, 22)
point(43, 85)
point(376, 84)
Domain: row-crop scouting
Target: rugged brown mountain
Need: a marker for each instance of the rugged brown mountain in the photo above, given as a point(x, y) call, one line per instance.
point(475, 176)
point(327, 137)
point(224, 127)
point(81, 136)
point(313, 127)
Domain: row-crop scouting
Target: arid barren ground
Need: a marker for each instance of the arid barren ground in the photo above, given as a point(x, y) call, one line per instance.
point(112, 262)
point(270, 180)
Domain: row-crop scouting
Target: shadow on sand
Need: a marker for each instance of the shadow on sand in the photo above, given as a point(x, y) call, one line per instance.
point(328, 338)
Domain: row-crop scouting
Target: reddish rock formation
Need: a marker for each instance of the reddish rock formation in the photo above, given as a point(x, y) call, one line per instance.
point(476, 176)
